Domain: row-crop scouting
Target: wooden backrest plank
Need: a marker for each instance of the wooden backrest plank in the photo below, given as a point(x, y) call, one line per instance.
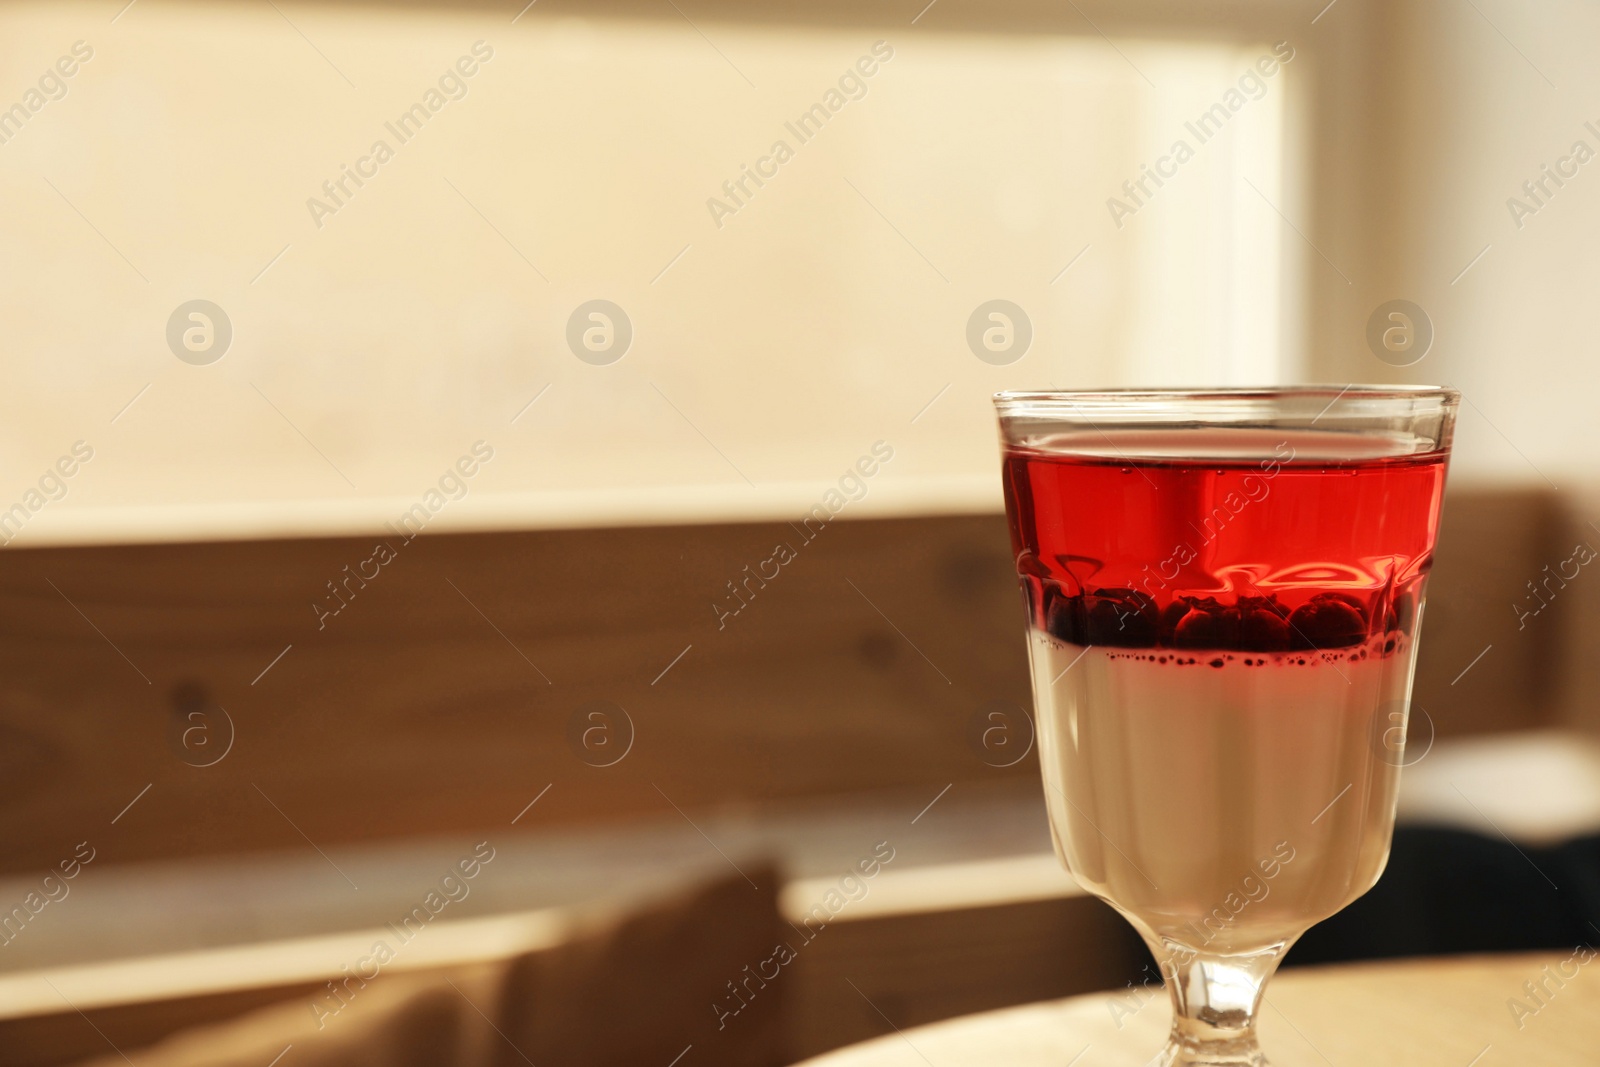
point(442, 694)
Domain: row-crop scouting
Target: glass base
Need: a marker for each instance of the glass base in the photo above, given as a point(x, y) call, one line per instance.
point(1214, 1004)
point(1219, 1054)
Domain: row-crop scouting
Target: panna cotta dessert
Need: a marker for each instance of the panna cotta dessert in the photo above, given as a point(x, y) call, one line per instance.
point(1180, 789)
point(1221, 639)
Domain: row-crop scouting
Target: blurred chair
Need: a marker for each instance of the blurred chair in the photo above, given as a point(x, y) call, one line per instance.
point(1498, 847)
point(637, 988)
point(1448, 891)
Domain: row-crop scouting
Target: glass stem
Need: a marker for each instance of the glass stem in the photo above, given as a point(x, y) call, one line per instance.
point(1214, 1004)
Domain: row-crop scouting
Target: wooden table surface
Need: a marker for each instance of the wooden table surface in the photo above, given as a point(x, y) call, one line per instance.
point(1454, 1012)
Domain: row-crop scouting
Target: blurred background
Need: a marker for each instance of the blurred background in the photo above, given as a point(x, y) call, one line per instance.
point(407, 406)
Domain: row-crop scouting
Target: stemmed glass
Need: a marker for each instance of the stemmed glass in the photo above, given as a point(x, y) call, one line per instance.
point(1224, 589)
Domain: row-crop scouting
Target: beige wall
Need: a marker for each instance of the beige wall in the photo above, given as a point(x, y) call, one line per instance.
point(415, 320)
point(1466, 117)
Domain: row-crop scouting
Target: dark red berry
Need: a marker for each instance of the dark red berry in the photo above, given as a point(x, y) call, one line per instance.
point(1353, 602)
point(1170, 616)
point(1063, 617)
point(1404, 609)
point(1122, 618)
point(1262, 629)
point(1208, 625)
point(1329, 621)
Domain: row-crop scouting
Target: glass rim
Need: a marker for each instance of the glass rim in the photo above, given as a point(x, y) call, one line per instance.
point(1445, 394)
point(1414, 419)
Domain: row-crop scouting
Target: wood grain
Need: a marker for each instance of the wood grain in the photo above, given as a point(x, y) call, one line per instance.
point(442, 697)
point(1491, 543)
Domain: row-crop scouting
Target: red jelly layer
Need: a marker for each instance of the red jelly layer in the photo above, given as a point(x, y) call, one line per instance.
point(1286, 552)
